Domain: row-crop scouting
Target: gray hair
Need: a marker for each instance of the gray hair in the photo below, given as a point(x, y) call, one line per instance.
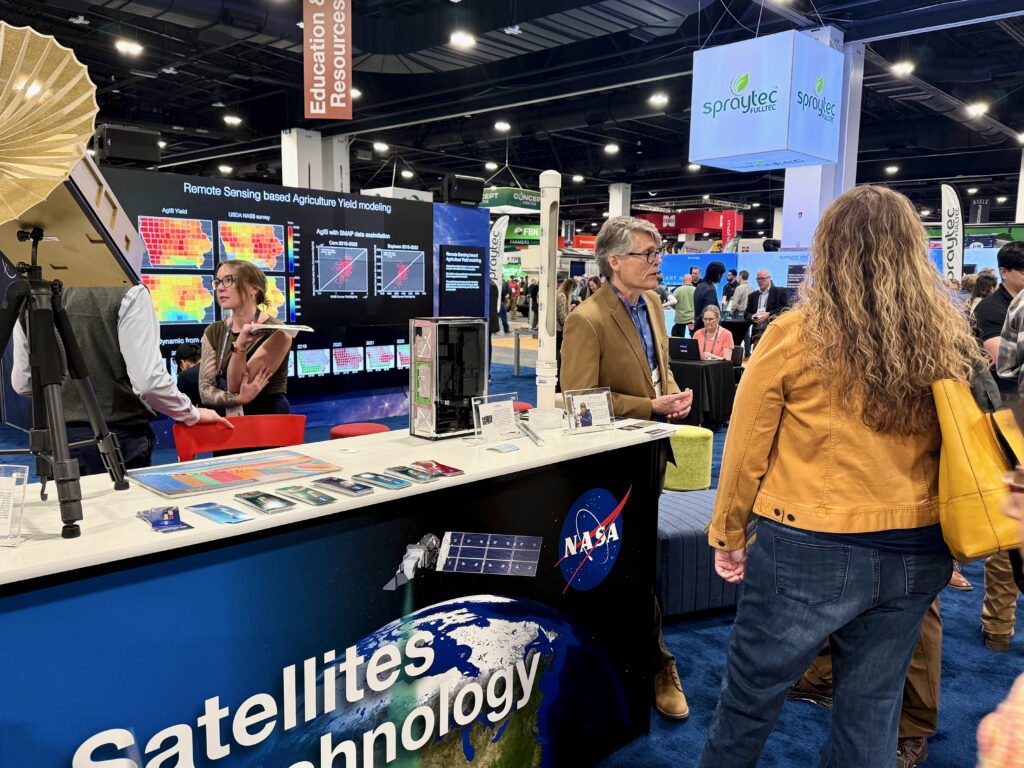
point(713, 309)
point(616, 236)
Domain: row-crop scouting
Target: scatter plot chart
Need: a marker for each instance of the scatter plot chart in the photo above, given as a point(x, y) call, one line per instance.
point(380, 358)
point(262, 244)
point(181, 298)
point(348, 359)
point(403, 356)
point(399, 272)
point(341, 270)
point(176, 243)
point(312, 362)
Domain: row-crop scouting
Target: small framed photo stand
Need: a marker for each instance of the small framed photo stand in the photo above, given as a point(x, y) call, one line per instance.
point(494, 418)
point(13, 479)
point(589, 410)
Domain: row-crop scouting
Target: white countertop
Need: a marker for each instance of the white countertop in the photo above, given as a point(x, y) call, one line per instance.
point(112, 532)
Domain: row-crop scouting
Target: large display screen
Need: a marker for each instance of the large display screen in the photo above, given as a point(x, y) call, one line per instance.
point(354, 268)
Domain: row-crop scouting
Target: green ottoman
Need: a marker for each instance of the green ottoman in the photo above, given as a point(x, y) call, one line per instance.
point(692, 470)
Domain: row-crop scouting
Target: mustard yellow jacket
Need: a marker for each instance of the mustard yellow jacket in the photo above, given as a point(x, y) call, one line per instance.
point(798, 453)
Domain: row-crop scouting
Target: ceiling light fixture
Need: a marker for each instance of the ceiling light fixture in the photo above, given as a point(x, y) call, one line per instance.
point(1020, 138)
point(128, 47)
point(755, 205)
point(577, 178)
point(300, 25)
point(380, 146)
point(512, 30)
point(90, 152)
point(892, 169)
point(225, 168)
point(611, 149)
point(579, 229)
point(461, 39)
point(232, 120)
point(407, 174)
point(977, 110)
point(972, 190)
point(217, 103)
point(356, 93)
point(760, 221)
point(693, 167)
point(1000, 199)
point(79, 20)
point(593, 223)
point(707, 197)
point(169, 70)
point(926, 211)
point(491, 166)
point(760, 231)
point(902, 68)
point(161, 144)
point(658, 99)
point(605, 214)
point(502, 126)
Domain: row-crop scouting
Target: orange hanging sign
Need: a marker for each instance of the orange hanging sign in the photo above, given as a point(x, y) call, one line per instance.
point(327, 59)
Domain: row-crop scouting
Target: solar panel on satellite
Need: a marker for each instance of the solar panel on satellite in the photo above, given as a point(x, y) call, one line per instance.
point(493, 553)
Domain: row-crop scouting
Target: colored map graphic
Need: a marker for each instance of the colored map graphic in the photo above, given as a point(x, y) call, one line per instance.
point(276, 297)
point(341, 270)
point(400, 272)
point(313, 362)
point(403, 356)
point(380, 358)
point(262, 244)
point(176, 243)
point(181, 298)
point(229, 472)
point(348, 359)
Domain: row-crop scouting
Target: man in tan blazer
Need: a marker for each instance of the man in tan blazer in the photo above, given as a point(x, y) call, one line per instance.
point(616, 339)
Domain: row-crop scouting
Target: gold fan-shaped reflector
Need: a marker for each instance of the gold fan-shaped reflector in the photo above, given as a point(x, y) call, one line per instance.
point(47, 115)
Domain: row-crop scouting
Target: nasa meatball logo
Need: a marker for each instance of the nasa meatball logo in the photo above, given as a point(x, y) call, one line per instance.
point(591, 539)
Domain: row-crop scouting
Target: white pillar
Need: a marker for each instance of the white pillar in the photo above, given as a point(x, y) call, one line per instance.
point(337, 170)
point(619, 199)
point(301, 159)
point(777, 224)
point(809, 190)
point(547, 326)
point(1019, 217)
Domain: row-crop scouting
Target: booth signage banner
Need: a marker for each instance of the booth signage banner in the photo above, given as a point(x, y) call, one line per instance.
point(952, 234)
point(327, 59)
point(496, 251)
point(980, 207)
point(728, 226)
point(771, 102)
point(511, 200)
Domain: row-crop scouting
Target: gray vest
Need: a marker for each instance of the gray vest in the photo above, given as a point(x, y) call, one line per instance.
point(93, 315)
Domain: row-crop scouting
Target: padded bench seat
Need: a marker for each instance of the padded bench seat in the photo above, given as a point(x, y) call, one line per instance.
point(686, 580)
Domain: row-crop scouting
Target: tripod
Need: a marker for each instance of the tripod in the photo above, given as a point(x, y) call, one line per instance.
point(40, 303)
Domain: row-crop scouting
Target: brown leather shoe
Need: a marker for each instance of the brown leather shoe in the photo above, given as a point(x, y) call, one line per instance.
point(958, 580)
point(911, 752)
point(817, 695)
point(669, 698)
point(999, 643)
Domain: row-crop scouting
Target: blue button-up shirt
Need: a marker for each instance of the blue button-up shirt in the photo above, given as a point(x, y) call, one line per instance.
point(642, 323)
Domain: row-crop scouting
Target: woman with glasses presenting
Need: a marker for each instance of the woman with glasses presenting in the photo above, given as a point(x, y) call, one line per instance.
point(242, 367)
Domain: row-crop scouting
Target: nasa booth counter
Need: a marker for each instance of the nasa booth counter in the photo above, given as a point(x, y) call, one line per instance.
point(480, 605)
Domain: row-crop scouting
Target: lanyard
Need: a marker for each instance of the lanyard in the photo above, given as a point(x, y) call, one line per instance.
point(224, 344)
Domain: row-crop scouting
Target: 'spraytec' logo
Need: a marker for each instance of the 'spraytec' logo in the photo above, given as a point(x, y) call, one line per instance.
point(824, 108)
point(745, 99)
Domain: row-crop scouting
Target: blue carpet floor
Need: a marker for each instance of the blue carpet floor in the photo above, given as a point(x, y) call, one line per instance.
point(974, 679)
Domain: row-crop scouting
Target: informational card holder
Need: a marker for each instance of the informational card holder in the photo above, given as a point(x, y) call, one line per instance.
point(494, 417)
point(13, 479)
point(589, 409)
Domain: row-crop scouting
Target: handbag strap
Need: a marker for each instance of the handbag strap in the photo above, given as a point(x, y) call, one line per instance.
point(1008, 453)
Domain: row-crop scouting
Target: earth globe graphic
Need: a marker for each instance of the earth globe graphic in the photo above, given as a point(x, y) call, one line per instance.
point(575, 701)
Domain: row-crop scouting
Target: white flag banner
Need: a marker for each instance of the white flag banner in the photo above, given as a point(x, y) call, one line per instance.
point(497, 253)
point(952, 234)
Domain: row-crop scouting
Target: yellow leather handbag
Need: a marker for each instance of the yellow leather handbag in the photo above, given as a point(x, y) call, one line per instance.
point(978, 449)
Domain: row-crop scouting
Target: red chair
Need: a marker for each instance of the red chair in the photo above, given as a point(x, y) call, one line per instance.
point(519, 406)
point(269, 431)
point(356, 429)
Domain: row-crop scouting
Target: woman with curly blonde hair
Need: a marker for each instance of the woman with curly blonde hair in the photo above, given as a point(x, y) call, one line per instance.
point(834, 447)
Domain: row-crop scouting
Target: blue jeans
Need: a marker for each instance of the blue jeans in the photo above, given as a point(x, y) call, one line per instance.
point(503, 317)
point(136, 448)
point(801, 588)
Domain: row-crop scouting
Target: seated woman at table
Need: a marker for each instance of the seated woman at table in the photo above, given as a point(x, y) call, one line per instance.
point(242, 367)
point(715, 342)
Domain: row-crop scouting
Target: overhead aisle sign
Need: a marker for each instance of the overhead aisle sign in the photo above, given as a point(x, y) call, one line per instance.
point(327, 59)
point(771, 102)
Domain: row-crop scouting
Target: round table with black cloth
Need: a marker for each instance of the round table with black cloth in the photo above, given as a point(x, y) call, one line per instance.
point(713, 383)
